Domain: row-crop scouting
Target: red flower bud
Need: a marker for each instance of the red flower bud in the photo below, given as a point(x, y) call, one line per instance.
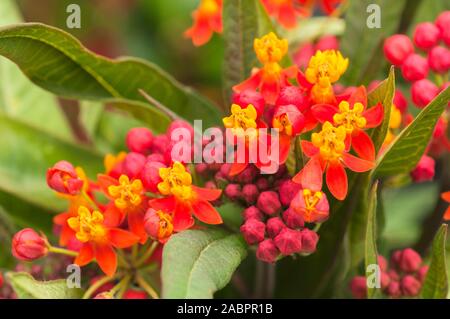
point(439, 59)
point(250, 193)
point(292, 95)
point(393, 275)
point(423, 92)
point(311, 205)
point(414, 68)
point(397, 48)
point(393, 289)
point(135, 294)
point(274, 226)
point(150, 176)
point(262, 183)
point(288, 119)
point(225, 171)
point(293, 219)
point(443, 23)
point(267, 251)
point(328, 42)
point(28, 245)
point(410, 261)
point(253, 231)
point(233, 191)
point(410, 286)
point(63, 178)
point(133, 165)
point(440, 128)
point(426, 35)
point(382, 263)
point(139, 140)
point(156, 157)
point(385, 280)
point(358, 287)
point(158, 225)
point(268, 202)
point(400, 101)
point(288, 189)
point(201, 168)
point(424, 170)
point(252, 212)
point(289, 241)
point(422, 273)
point(180, 124)
point(309, 241)
point(244, 98)
point(247, 175)
point(161, 145)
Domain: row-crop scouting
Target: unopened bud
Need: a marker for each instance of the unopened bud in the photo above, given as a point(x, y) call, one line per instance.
point(28, 245)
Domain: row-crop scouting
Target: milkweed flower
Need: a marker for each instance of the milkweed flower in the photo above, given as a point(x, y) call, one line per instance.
point(207, 19)
point(354, 116)
point(284, 11)
point(184, 199)
point(99, 234)
point(446, 196)
point(269, 50)
point(63, 178)
point(28, 245)
point(329, 147)
point(158, 224)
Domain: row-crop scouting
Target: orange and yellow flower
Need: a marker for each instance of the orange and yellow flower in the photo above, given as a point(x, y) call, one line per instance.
point(269, 79)
point(98, 234)
point(207, 20)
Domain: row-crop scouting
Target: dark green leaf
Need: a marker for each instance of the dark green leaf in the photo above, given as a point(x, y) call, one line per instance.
point(197, 263)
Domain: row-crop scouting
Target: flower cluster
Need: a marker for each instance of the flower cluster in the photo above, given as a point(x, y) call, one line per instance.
point(402, 277)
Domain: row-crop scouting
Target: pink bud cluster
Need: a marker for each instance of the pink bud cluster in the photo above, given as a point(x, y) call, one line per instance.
point(402, 277)
point(433, 42)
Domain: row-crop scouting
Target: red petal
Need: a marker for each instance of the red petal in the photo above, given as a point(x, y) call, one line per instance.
point(200, 33)
point(324, 112)
point(166, 204)
point(447, 214)
point(363, 145)
point(113, 216)
point(182, 217)
point(310, 121)
point(136, 224)
point(286, 16)
point(374, 116)
point(446, 196)
point(357, 164)
point(121, 238)
point(104, 181)
point(336, 179)
point(61, 219)
point(85, 255)
point(358, 95)
point(270, 91)
point(309, 149)
point(205, 212)
point(66, 235)
point(207, 194)
point(348, 142)
point(285, 145)
point(106, 259)
point(252, 83)
point(237, 168)
point(310, 176)
point(303, 81)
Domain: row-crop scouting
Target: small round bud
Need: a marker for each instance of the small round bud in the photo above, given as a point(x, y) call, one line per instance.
point(410, 261)
point(410, 286)
point(247, 175)
point(63, 178)
point(382, 262)
point(150, 176)
point(309, 241)
point(268, 202)
point(244, 98)
point(443, 23)
point(289, 241)
point(252, 212)
point(414, 68)
point(288, 189)
point(28, 245)
point(423, 92)
point(422, 273)
point(292, 219)
point(397, 48)
point(253, 231)
point(274, 226)
point(400, 101)
point(233, 191)
point(439, 59)
point(424, 170)
point(426, 35)
point(393, 289)
point(250, 193)
point(139, 140)
point(292, 95)
point(135, 294)
point(133, 165)
point(358, 287)
point(262, 183)
point(267, 251)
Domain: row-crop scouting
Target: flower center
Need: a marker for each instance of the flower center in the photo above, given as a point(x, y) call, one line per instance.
point(331, 141)
point(209, 7)
point(176, 181)
point(87, 226)
point(127, 194)
point(326, 67)
point(283, 124)
point(241, 119)
point(165, 225)
point(350, 118)
point(270, 48)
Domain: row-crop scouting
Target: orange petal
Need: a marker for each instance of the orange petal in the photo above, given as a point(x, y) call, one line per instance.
point(205, 212)
point(200, 32)
point(252, 83)
point(182, 217)
point(113, 216)
point(270, 91)
point(136, 224)
point(61, 219)
point(121, 238)
point(104, 181)
point(356, 164)
point(374, 116)
point(446, 196)
point(207, 194)
point(324, 112)
point(286, 16)
point(309, 149)
point(106, 259)
point(336, 179)
point(447, 214)
point(311, 175)
point(358, 95)
point(166, 204)
point(85, 255)
point(363, 145)
point(66, 235)
point(237, 168)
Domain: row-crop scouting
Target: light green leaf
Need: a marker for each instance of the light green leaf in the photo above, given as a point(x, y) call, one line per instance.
point(436, 282)
point(26, 287)
point(57, 62)
point(307, 30)
point(406, 150)
point(243, 21)
point(371, 253)
point(197, 263)
point(19, 98)
point(363, 45)
point(30, 152)
point(231, 213)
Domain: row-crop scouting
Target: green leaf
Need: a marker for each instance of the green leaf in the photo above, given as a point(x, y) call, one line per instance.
point(26, 287)
point(436, 283)
point(197, 263)
point(30, 152)
point(363, 45)
point(57, 62)
point(307, 30)
point(371, 253)
point(231, 213)
point(406, 150)
point(19, 98)
point(243, 21)
point(7, 230)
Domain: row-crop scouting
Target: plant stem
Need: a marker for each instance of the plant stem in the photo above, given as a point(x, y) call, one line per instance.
point(164, 109)
point(121, 287)
point(146, 286)
point(141, 261)
point(62, 251)
point(90, 201)
point(122, 260)
point(94, 287)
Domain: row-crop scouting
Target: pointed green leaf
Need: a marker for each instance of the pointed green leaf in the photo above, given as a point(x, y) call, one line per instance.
point(436, 283)
point(197, 263)
point(26, 287)
point(406, 150)
point(57, 62)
